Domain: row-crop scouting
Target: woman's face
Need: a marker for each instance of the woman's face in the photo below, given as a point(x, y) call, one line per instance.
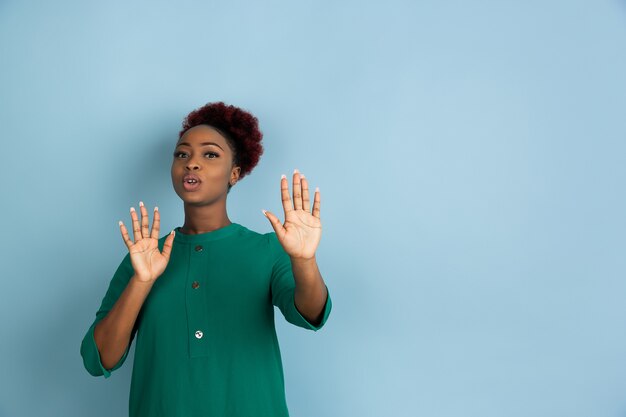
point(202, 166)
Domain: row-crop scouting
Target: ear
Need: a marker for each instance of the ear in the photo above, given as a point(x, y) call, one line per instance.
point(234, 174)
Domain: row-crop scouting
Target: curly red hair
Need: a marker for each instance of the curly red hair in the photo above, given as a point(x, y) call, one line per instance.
point(239, 128)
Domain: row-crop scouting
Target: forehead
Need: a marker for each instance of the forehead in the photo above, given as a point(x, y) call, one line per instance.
point(203, 133)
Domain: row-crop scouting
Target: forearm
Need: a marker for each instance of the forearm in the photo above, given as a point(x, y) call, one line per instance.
point(112, 333)
point(311, 293)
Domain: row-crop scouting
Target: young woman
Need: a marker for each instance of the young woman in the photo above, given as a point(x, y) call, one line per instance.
point(200, 300)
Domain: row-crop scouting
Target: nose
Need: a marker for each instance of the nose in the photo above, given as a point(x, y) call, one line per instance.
point(192, 165)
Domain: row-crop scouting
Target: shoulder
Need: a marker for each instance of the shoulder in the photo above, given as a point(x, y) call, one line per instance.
point(267, 239)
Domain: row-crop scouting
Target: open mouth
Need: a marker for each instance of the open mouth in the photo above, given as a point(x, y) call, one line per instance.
point(191, 183)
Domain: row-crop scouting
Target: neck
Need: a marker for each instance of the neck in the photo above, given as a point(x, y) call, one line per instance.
point(203, 219)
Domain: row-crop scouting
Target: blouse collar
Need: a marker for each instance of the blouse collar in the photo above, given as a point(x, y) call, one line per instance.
point(207, 236)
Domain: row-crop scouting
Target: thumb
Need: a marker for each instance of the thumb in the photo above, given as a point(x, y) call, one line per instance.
point(275, 222)
point(167, 246)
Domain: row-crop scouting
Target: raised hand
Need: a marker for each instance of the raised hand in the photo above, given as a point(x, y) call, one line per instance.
point(301, 233)
point(148, 262)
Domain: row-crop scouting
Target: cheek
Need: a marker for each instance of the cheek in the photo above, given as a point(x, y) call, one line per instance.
point(175, 172)
point(216, 170)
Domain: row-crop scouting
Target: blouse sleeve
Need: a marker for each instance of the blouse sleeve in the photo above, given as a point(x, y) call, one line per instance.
point(283, 287)
point(88, 348)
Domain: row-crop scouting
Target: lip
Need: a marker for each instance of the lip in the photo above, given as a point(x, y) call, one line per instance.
point(190, 177)
point(191, 187)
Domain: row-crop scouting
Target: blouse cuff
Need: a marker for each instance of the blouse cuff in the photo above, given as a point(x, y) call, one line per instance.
point(91, 355)
point(306, 323)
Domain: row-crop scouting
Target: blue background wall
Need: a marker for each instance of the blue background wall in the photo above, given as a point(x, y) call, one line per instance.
point(471, 158)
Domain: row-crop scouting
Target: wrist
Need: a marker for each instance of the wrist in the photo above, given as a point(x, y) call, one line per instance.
point(303, 261)
point(142, 281)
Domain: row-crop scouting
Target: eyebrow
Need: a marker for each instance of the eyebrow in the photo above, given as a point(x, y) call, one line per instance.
point(202, 144)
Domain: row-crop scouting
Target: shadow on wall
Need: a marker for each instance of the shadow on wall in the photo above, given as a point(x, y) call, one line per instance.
point(50, 364)
point(63, 335)
point(143, 172)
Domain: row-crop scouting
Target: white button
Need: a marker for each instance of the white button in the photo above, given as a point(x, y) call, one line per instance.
point(199, 334)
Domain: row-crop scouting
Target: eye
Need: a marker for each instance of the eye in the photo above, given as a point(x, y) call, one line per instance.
point(212, 155)
point(180, 155)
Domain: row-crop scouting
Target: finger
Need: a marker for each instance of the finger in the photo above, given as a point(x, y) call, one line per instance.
point(167, 245)
point(156, 224)
point(284, 192)
point(316, 203)
point(125, 236)
point(275, 222)
point(145, 222)
point(136, 229)
point(297, 191)
point(306, 202)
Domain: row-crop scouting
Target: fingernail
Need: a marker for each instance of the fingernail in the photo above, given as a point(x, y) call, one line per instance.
point(132, 209)
point(283, 176)
point(295, 171)
point(156, 208)
point(317, 189)
point(172, 232)
point(119, 223)
point(301, 175)
point(264, 212)
point(141, 204)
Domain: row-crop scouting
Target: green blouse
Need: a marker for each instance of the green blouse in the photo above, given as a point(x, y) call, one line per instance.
point(206, 344)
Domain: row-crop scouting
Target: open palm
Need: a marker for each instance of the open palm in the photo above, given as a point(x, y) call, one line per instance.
point(148, 262)
point(301, 233)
